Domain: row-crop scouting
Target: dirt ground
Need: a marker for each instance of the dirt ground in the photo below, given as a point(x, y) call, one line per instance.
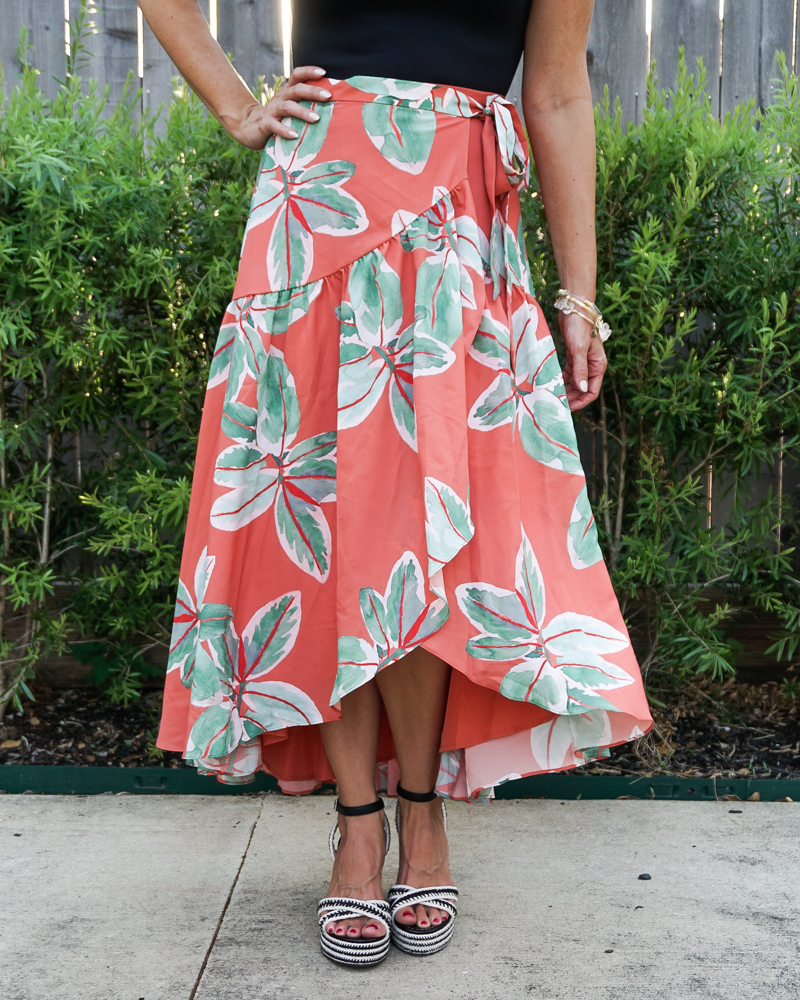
point(702, 729)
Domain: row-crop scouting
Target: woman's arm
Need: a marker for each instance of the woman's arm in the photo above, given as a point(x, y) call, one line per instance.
point(557, 102)
point(181, 28)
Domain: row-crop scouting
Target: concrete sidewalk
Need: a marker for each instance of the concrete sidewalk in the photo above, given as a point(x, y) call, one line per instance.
point(120, 898)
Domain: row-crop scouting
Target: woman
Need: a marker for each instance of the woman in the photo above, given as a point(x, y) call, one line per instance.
point(387, 465)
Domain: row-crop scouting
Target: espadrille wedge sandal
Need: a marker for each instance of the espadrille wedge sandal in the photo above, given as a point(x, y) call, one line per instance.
point(416, 940)
point(358, 951)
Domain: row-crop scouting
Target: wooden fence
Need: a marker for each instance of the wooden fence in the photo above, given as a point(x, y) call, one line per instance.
point(737, 40)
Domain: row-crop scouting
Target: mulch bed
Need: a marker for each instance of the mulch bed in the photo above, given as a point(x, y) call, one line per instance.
point(702, 729)
point(711, 730)
point(82, 727)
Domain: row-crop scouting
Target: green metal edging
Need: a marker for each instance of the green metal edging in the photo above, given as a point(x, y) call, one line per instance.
point(57, 780)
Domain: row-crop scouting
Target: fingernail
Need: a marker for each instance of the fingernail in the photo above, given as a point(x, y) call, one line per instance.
point(314, 116)
point(584, 386)
point(324, 93)
point(319, 72)
point(292, 133)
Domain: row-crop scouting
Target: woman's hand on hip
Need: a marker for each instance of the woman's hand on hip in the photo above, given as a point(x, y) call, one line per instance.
point(586, 361)
point(262, 121)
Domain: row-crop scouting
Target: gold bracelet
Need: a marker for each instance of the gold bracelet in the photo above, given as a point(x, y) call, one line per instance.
point(569, 303)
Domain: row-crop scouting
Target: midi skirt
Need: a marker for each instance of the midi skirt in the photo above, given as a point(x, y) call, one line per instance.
point(387, 460)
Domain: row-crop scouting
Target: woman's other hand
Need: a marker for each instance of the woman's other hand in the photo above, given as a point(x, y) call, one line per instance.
point(261, 121)
point(586, 361)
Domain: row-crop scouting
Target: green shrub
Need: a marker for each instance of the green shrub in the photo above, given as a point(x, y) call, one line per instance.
point(118, 252)
point(699, 276)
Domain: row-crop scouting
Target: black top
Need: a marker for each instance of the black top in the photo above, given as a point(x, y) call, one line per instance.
point(461, 43)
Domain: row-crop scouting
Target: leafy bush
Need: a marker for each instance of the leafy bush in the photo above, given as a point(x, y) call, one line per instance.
point(118, 252)
point(699, 264)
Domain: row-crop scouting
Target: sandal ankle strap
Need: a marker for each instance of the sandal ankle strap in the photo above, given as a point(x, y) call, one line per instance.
point(370, 807)
point(415, 796)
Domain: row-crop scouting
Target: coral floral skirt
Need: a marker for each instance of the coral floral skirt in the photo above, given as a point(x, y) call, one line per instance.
point(387, 460)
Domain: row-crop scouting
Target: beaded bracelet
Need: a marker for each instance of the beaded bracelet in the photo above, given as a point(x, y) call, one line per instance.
point(569, 303)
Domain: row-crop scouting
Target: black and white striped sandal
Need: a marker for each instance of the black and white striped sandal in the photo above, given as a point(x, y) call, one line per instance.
point(358, 951)
point(416, 940)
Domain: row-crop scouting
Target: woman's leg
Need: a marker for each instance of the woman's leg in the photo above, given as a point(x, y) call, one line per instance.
point(414, 691)
point(352, 746)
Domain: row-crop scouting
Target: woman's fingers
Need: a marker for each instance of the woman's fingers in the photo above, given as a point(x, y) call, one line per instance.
point(271, 124)
point(302, 73)
point(292, 110)
point(303, 92)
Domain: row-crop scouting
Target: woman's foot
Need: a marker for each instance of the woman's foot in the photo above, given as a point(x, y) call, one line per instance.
point(357, 871)
point(424, 858)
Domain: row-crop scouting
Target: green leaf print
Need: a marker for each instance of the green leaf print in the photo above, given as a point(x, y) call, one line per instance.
point(294, 153)
point(403, 90)
point(376, 298)
point(239, 421)
point(516, 259)
point(290, 254)
point(358, 663)
point(372, 353)
point(546, 431)
point(363, 375)
point(495, 406)
point(308, 198)
point(194, 620)
point(529, 582)
point(241, 702)
point(373, 611)
point(530, 386)
point(563, 668)
point(497, 253)
point(448, 525)
point(582, 544)
point(303, 531)
point(212, 666)
point(555, 743)
point(212, 620)
point(271, 705)
point(473, 253)
point(221, 359)
point(403, 136)
point(278, 406)
point(492, 343)
point(287, 306)
point(213, 734)
point(397, 621)
point(271, 633)
point(429, 355)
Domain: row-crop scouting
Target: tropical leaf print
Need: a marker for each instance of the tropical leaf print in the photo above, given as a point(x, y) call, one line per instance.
point(416, 95)
point(255, 318)
point(397, 622)
point(529, 389)
point(231, 683)
point(556, 743)
point(582, 544)
point(444, 283)
point(448, 525)
point(305, 197)
point(194, 619)
point(270, 468)
point(402, 135)
point(562, 664)
point(373, 351)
